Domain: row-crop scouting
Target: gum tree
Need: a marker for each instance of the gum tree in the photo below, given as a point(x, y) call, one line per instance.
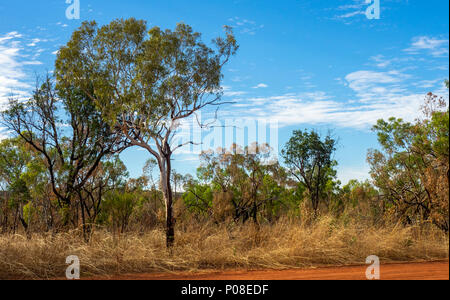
point(146, 82)
point(309, 159)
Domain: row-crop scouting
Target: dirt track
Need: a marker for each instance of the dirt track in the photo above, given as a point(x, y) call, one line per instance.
point(410, 271)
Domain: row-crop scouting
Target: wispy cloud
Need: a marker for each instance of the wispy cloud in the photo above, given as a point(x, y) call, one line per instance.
point(435, 46)
point(376, 95)
point(350, 11)
point(34, 42)
point(370, 85)
point(425, 84)
point(245, 26)
point(10, 36)
point(17, 53)
point(12, 75)
point(297, 109)
point(350, 14)
point(228, 92)
point(381, 61)
point(261, 86)
point(62, 24)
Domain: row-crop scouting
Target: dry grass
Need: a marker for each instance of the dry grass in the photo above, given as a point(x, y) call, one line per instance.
point(204, 247)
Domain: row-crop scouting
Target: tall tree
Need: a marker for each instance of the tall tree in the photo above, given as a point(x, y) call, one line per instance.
point(146, 82)
point(310, 161)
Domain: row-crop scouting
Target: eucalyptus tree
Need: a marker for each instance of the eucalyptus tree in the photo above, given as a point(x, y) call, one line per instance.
point(66, 130)
point(309, 159)
point(146, 82)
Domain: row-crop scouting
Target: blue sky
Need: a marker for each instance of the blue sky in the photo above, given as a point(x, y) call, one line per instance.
point(307, 64)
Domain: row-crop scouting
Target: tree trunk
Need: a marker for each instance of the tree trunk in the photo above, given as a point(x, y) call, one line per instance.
point(315, 204)
point(165, 168)
point(255, 212)
point(83, 218)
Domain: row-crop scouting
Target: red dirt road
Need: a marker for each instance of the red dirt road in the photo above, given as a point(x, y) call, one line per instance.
point(409, 271)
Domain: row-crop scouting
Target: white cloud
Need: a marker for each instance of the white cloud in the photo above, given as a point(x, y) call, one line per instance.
point(14, 59)
point(240, 78)
point(381, 61)
point(12, 75)
point(9, 36)
point(378, 95)
point(230, 93)
point(32, 62)
point(261, 86)
point(245, 26)
point(370, 85)
point(350, 14)
point(425, 84)
point(362, 78)
point(349, 11)
point(34, 42)
point(436, 47)
point(299, 109)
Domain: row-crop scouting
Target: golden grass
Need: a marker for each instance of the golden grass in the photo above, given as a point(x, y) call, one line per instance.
point(206, 247)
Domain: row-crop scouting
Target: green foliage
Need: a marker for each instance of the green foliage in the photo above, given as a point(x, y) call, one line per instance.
point(129, 71)
point(198, 198)
point(16, 168)
point(71, 156)
point(118, 207)
point(28, 212)
point(310, 162)
point(411, 170)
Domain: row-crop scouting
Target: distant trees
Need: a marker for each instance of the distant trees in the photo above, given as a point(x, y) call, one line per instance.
point(198, 196)
point(309, 160)
point(146, 83)
point(244, 184)
point(359, 200)
point(109, 177)
point(14, 159)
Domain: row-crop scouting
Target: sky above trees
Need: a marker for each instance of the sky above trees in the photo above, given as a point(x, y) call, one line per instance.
point(306, 64)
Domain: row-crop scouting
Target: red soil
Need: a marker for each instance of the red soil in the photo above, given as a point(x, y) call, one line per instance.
point(409, 271)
